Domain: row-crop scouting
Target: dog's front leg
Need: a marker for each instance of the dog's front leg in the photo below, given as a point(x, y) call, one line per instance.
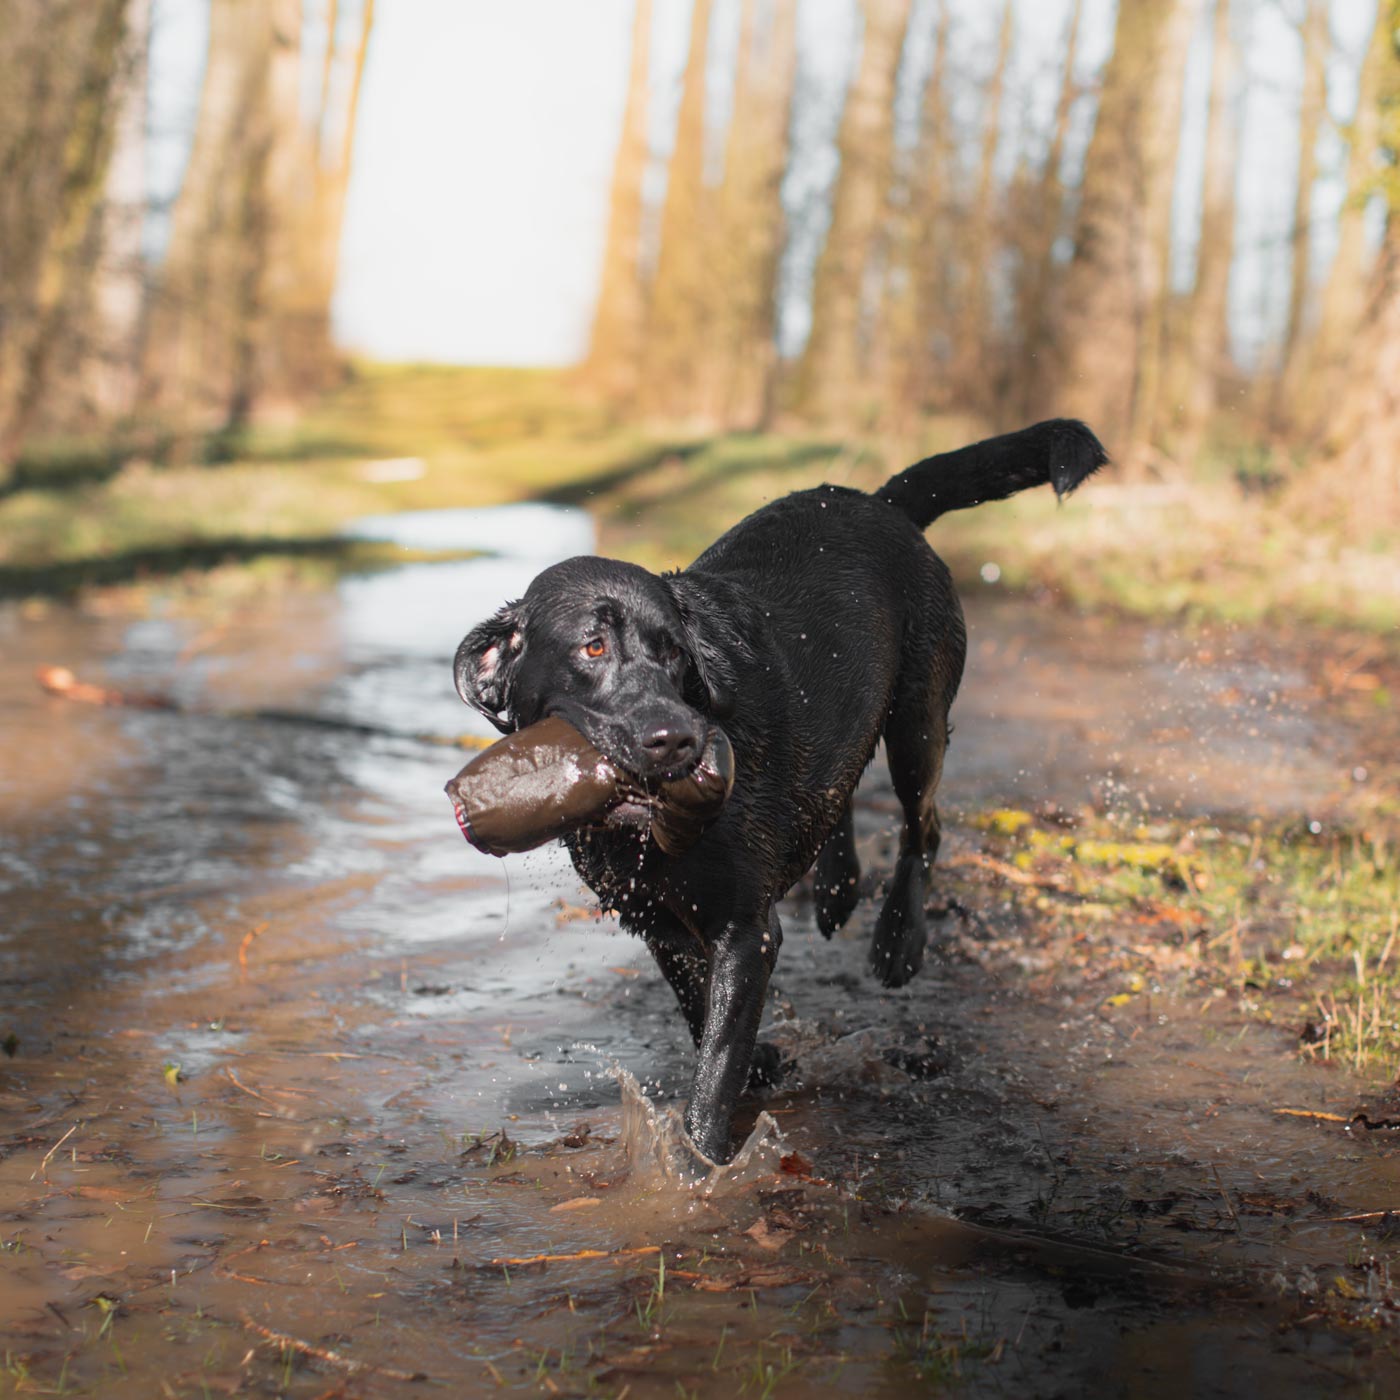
point(741, 959)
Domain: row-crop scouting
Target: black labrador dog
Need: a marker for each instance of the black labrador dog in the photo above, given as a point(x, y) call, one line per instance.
point(814, 628)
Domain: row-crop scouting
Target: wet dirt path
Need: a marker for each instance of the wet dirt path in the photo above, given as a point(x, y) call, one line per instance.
point(302, 1087)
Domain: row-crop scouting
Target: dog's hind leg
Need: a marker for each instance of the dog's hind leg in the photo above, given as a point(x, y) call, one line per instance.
point(916, 736)
point(837, 877)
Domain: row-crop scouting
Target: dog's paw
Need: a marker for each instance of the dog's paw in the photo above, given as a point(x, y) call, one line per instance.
point(836, 903)
point(893, 967)
point(767, 1067)
point(901, 932)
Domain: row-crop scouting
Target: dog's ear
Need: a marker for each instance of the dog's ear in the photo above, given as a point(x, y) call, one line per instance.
point(486, 664)
point(712, 643)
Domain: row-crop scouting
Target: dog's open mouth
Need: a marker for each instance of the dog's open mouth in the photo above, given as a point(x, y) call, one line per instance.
point(633, 811)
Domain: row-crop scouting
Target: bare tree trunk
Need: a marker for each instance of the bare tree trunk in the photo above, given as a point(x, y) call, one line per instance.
point(1045, 222)
point(1310, 117)
point(614, 350)
point(1358, 483)
point(61, 233)
point(1208, 315)
point(198, 353)
point(975, 341)
point(1106, 367)
point(677, 326)
point(1344, 296)
point(336, 164)
point(323, 101)
point(269, 348)
point(831, 377)
point(241, 326)
point(119, 278)
point(749, 246)
point(1154, 347)
point(734, 219)
point(916, 319)
point(308, 177)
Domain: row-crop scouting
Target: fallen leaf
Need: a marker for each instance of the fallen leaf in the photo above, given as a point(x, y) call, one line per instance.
point(774, 1278)
point(766, 1237)
point(77, 1272)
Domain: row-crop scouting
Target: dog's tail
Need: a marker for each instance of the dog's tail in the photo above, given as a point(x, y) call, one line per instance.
point(1060, 452)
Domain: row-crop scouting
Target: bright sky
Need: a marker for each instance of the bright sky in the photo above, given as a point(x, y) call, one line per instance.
point(479, 194)
point(487, 131)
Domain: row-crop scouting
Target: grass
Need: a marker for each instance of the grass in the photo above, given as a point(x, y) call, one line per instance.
point(1202, 550)
point(71, 515)
point(1301, 926)
point(269, 502)
point(937, 1359)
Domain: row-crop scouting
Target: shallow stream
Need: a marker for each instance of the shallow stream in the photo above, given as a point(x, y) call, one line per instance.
point(303, 1096)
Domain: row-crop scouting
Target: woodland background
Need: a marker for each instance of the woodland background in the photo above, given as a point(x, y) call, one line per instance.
point(973, 254)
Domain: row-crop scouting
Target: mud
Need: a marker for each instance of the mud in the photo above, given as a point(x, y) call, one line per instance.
point(302, 1096)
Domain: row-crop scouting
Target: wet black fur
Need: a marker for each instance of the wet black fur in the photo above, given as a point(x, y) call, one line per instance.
point(814, 628)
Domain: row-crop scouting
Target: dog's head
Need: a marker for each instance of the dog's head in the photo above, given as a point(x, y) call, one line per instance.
point(616, 651)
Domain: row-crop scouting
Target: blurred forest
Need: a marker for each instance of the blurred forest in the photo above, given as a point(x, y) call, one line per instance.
point(951, 281)
point(972, 254)
point(233, 319)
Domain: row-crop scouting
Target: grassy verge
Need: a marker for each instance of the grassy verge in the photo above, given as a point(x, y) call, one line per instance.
point(1196, 550)
point(415, 437)
point(1301, 927)
point(392, 439)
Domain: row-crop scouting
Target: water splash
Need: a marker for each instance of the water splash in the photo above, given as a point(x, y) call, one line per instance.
point(867, 1057)
point(662, 1154)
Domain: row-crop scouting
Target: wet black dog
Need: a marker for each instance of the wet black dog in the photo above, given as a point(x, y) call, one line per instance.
point(814, 628)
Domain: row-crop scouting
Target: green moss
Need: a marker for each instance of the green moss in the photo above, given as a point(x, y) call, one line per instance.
point(1269, 908)
point(1005, 821)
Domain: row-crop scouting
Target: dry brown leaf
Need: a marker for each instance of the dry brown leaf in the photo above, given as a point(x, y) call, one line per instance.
point(766, 1237)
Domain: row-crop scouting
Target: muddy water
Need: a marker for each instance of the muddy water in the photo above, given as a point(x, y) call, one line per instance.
point(308, 1098)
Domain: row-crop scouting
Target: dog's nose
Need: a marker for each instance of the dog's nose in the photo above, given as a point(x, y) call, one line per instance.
point(670, 746)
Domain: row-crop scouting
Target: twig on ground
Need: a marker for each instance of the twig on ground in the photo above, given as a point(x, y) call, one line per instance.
point(1225, 1195)
point(1007, 871)
point(48, 1156)
point(578, 1254)
point(1314, 1113)
point(334, 1358)
point(244, 946)
point(239, 1084)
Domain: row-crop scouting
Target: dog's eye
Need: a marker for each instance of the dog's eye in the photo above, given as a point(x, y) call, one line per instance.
point(673, 653)
point(594, 647)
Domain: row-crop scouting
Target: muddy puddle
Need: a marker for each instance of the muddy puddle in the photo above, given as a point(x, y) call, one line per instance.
point(302, 1096)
